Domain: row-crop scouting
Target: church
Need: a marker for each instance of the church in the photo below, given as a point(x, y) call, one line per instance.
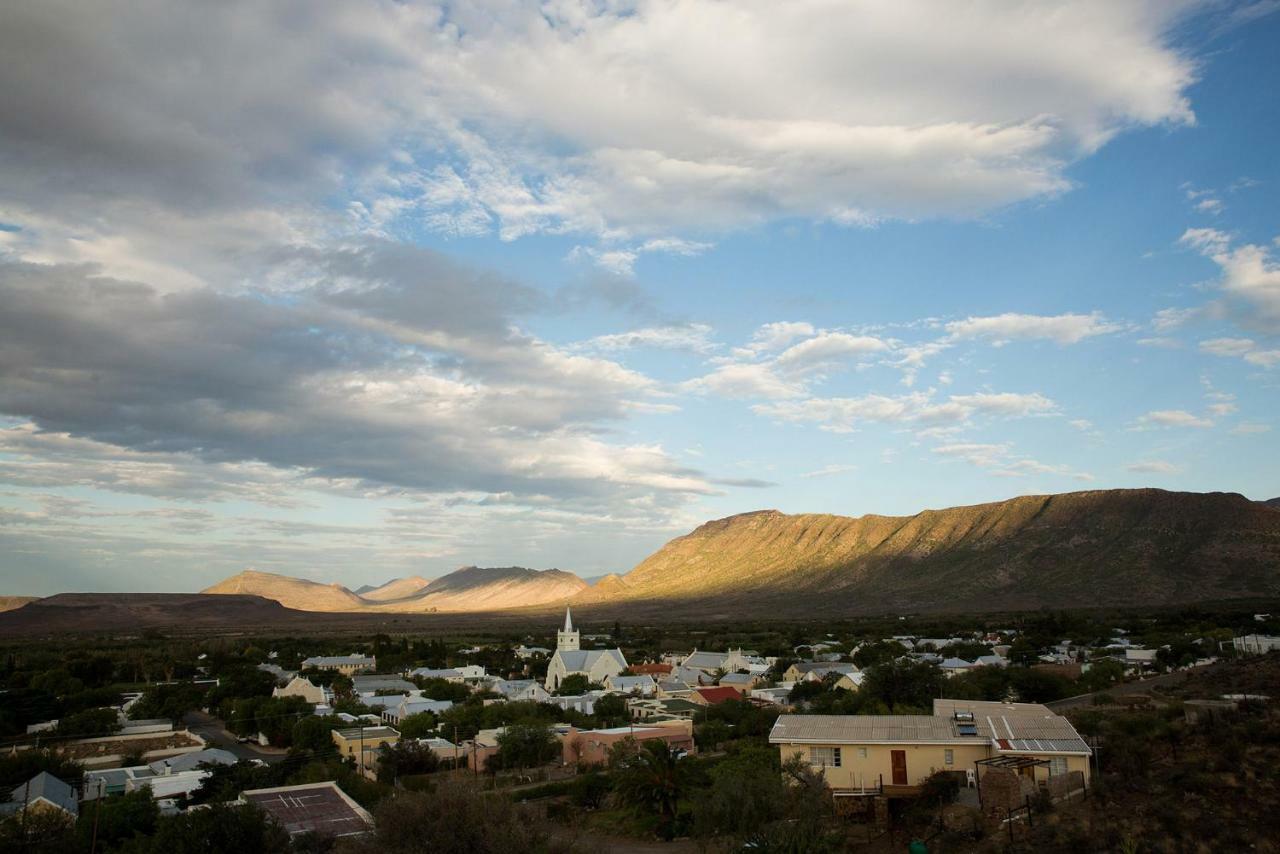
point(595, 664)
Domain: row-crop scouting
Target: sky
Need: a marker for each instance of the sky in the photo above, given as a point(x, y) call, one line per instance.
point(358, 290)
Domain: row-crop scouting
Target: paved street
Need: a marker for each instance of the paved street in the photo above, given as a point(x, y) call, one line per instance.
point(212, 730)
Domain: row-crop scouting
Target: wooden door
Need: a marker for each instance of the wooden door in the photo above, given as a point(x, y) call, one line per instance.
point(899, 759)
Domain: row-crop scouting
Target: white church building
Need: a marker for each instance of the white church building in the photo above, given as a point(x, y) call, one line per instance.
point(595, 664)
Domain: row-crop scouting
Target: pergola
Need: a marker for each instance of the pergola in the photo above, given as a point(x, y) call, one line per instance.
point(1004, 763)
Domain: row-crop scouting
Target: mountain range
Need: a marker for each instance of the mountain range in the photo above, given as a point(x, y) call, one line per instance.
point(1142, 547)
point(471, 588)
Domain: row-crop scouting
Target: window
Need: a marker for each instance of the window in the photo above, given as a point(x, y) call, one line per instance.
point(862, 753)
point(824, 757)
point(949, 757)
point(1057, 765)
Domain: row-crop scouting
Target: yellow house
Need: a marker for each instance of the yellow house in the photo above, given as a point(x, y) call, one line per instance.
point(894, 754)
point(354, 740)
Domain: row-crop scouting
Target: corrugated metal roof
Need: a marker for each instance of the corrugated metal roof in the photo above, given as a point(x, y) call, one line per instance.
point(869, 728)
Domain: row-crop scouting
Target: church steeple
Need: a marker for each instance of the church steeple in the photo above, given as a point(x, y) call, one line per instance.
point(567, 639)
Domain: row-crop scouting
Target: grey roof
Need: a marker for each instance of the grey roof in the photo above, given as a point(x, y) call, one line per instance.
point(191, 761)
point(336, 660)
point(375, 682)
point(45, 785)
point(582, 660)
point(1010, 732)
point(705, 660)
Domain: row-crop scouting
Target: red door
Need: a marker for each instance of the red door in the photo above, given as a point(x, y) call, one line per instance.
point(899, 758)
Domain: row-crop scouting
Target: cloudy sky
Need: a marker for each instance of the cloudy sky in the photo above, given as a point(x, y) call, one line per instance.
point(354, 290)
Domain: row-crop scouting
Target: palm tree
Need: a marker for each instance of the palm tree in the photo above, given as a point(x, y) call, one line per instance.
point(653, 778)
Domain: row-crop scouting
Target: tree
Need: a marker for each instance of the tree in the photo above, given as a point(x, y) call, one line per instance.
point(117, 819)
point(904, 683)
point(90, 723)
point(168, 701)
point(406, 757)
point(745, 794)
point(526, 745)
point(456, 818)
point(652, 779)
point(421, 725)
point(221, 827)
point(573, 685)
point(611, 709)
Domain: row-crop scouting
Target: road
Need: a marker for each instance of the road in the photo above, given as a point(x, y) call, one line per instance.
point(1141, 686)
point(213, 731)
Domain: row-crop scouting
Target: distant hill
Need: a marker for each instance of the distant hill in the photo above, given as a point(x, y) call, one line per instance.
point(72, 612)
point(1272, 502)
point(396, 588)
point(291, 592)
point(1112, 547)
point(475, 588)
point(8, 603)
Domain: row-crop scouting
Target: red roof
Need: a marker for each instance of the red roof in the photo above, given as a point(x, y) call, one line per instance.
point(718, 694)
point(651, 669)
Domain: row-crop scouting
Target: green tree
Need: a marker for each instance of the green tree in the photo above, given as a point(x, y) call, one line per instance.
point(406, 757)
point(526, 745)
point(746, 793)
point(611, 709)
point(573, 685)
point(220, 827)
point(903, 683)
point(421, 725)
point(652, 780)
point(89, 723)
point(114, 820)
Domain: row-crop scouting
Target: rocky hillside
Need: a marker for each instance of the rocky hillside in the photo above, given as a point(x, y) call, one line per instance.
point(291, 592)
point(9, 603)
point(475, 588)
point(1079, 549)
point(396, 588)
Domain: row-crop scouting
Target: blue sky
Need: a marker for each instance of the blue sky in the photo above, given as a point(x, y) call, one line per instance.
point(364, 290)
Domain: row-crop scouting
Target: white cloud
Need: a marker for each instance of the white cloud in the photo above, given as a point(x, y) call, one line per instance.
point(693, 336)
point(1222, 410)
point(1153, 467)
point(743, 381)
point(998, 459)
point(828, 471)
point(1174, 418)
point(1227, 346)
point(826, 350)
point(1062, 328)
point(1250, 276)
point(1169, 319)
point(1082, 424)
point(1248, 428)
point(775, 336)
point(919, 409)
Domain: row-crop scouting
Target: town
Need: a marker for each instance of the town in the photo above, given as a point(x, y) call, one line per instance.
point(959, 734)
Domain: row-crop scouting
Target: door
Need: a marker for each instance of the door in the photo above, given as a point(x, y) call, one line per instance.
point(899, 759)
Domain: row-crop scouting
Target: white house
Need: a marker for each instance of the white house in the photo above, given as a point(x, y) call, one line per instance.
point(413, 706)
point(301, 686)
point(520, 689)
point(640, 686)
point(1256, 644)
point(569, 660)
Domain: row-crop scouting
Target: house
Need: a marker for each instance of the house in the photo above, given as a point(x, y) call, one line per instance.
point(743, 682)
point(409, 706)
point(282, 676)
point(592, 746)
point(955, 666)
point(322, 809)
point(43, 792)
point(568, 660)
point(526, 652)
point(642, 686)
point(457, 675)
point(369, 685)
point(714, 696)
point(347, 665)
point(728, 662)
point(892, 755)
point(992, 660)
point(193, 761)
point(656, 670)
point(301, 686)
point(480, 749)
point(642, 709)
point(353, 742)
point(517, 690)
point(1137, 658)
point(176, 776)
point(1256, 644)
point(778, 696)
point(801, 669)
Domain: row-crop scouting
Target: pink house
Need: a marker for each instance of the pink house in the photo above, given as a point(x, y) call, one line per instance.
point(591, 746)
